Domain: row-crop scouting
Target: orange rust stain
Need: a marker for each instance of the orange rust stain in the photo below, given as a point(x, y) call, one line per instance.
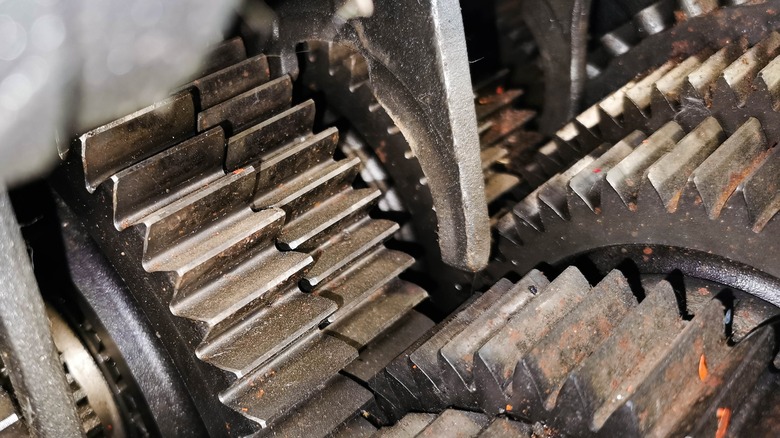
point(647, 250)
point(703, 372)
point(508, 408)
point(499, 90)
point(724, 417)
point(238, 171)
point(260, 394)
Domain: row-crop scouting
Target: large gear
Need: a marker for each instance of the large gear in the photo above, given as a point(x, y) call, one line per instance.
point(257, 261)
point(617, 358)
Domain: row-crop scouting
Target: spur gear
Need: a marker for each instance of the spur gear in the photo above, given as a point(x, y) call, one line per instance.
point(244, 242)
point(613, 359)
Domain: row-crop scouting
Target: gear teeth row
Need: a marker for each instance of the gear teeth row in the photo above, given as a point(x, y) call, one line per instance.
point(584, 361)
point(232, 210)
point(497, 119)
point(453, 422)
point(704, 177)
point(650, 20)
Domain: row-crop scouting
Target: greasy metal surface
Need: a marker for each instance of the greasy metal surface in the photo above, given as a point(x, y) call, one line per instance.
point(213, 253)
point(435, 115)
point(28, 352)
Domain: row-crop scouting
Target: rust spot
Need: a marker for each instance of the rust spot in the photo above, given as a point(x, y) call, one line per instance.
point(703, 372)
point(647, 250)
point(597, 170)
point(703, 291)
point(499, 90)
point(238, 171)
point(680, 16)
point(508, 408)
point(260, 393)
point(724, 417)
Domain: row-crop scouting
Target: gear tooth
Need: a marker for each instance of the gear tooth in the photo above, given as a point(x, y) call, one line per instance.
point(670, 173)
point(620, 40)
point(667, 91)
point(626, 177)
point(507, 346)
point(718, 176)
point(694, 8)
point(627, 356)
point(231, 81)
point(762, 191)
point(124, 142)
point(247, 108)
point(636, 102)
point(736, 82)
point(358, 68)
point(159, 180)
point(767, 87)
point(543, 369)
point(222, 56)
point(459, 353)
point(528, 210)
point(554, 193)
point(467, 424)
point(655, 18)
point(273, 390)
point(587, 184)
point(696, 97)
point(739, 373)
point(659, 398)
point(247, 147)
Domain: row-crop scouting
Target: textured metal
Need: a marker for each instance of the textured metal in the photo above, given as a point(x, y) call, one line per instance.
point(435, 115)
point(615, 358)
point(28, 350)
point(214, 234)
point(338, 71)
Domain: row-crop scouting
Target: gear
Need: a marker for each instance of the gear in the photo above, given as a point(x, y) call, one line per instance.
point(244, 241)
point(342, 75)
point(705, 184)
point(619, 358)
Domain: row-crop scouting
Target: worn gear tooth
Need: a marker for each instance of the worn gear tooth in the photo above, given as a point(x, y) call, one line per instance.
point(458, 353)
point(279, 166)
point(736, 82)
point(669, 175)
point(303, 232)
point(720, 174)
point(377, 313)
point(528, 211)
point(665, 98)
point(215, 301)
point(461, 423)
point(590, 393)
point(694, 8)
point(230, 81)
point(636, 102)
point(124, 142)
point(424, 360)
point(499, 184)
point(588, 182)
point(246, 109)
point(354, 242)
point(223, 55)
point(505, 123)
point(491, 155)
point(409, 426)
point(655, 18)
point(297, 197)
point(626, 177)
point(189, 219)
point(357, 283)
point(157, 181)
point(762, 191)
point(620, 40)
point(554, 193)
point(660, 396)
point(494, 363)
point(768, 85)
point(356, 427)
point(324, 411)
point(379, 352)
point(274, 389)
point(741, 371)
point(256, 336)
point(542, 371)
point(248, 147)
